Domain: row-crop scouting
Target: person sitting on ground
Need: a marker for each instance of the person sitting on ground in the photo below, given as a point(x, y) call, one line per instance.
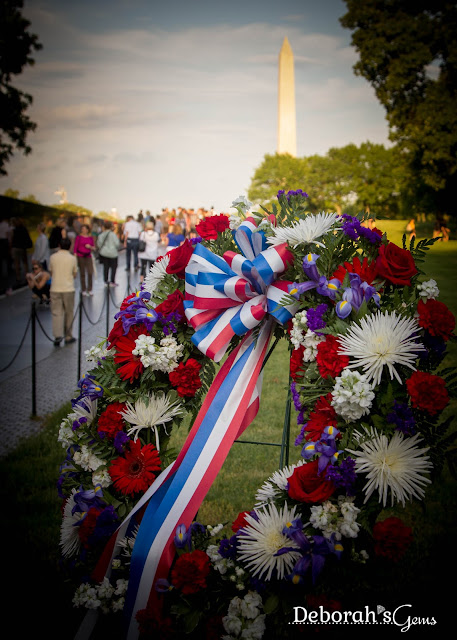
point(39, 281)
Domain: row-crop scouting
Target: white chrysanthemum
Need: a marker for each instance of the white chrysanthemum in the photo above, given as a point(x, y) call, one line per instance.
point(276, 483)
point(127, 543)
point(263, 538)
point(70, 542)
point(352, 395)
point(305, 231)
point(381, 340)
point(397, 465)
point(428, 289)
point(157, 272)
point(149, 413)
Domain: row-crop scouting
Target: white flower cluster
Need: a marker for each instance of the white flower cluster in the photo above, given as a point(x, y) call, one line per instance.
point(428, 289)
point(226, 567)
point(301, 336)
point(87, 460)
point(244, 618)
point(160, 357)
point(352, 395)
point(104, 596)
point(242, 206)
point(340, 519)
point(87, 409)
point(213, 531)
point(96, 354)
point(101, 477)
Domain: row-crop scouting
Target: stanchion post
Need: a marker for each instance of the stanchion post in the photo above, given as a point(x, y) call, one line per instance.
point(107, 309)
point(33, 359)
point(80, 333)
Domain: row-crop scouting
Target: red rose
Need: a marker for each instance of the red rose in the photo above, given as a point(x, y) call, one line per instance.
point(427, 392)
point(179, 259)
point(395, 265)
point(240, 521)
point(185, 377)
point(392, 538)
point(322, 416)
point(296, 363)
point(111, 420)
point(436, 318)
point(329, 361)
point(305, 485)
point(209, 228)
point(174, 303)
point(190, 572)
point(366, 270)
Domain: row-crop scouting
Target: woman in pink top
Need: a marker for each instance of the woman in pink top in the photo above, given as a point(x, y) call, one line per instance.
point(84, 245)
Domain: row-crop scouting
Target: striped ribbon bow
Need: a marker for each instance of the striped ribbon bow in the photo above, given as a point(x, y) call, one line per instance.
point(224, 297)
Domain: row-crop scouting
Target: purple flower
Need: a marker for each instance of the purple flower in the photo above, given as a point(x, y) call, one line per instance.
point(402, 416)
point(314, 318)
point(325, 448)
point(353, 228)
point(86, 499)
point(354, 295)
point(163, 586)
point(89, 388)
point(227, 548)
point(183, 537)
point(105, 525)
point(120, 441)
point(343, 475)
point(295, 396)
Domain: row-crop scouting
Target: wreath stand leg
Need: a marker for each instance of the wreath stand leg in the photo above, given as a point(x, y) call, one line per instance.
point(285, 442)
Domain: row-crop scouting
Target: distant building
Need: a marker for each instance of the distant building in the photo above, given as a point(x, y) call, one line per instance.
point(287, 127)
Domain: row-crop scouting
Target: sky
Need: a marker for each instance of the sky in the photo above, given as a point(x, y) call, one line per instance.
point(145, 104)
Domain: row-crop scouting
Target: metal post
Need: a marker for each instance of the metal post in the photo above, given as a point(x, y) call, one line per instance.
point(80, 333)
point(33, 359)
point(107, 309)
point(284, 457)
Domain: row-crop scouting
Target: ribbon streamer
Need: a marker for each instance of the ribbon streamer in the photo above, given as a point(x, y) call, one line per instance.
point(225, 297)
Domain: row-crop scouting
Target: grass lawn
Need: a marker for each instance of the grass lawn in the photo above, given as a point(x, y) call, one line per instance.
point(38, 594)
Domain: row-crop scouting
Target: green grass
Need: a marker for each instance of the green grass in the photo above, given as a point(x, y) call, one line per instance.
point(39, 594)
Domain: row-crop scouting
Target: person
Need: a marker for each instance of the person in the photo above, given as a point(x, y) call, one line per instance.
point(70, 232)
point(5, 244)
point(149, 255)
point(175, 237)
point(158, 224)
point(440, 230)
point(39, 281)
point(63, 269)
point(57, 233)
point(108, 248)
point(83, 247)
point(20, 242)
point(411, 228)
point(132, 230)
point(41, 251)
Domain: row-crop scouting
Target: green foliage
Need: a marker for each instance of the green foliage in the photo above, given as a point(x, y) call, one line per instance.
point(408, 53)
point(16, 47)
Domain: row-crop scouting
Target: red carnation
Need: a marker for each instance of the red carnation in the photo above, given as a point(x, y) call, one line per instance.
point(329, 361)
point(436, 318)
point(392, 538)
point(136, 470)
point(87, 526)
point(427, 392)
point(173, 303)
point(132, 367)
point(179, 259)
point(322, 416)
point(296, 363)
point(111, 420)
point(395, 265)
point(185, 377)
point(240, 521)
point(305, 485)
point(209, 228)
point(366, 270)
point(190, 572)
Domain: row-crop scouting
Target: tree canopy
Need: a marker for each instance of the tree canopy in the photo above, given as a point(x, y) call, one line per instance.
point(408, 52)
point(16, 47)
point(365, 178)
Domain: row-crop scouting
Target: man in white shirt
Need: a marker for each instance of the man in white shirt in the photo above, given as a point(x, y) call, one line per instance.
point(63, 269)
point(132, 230)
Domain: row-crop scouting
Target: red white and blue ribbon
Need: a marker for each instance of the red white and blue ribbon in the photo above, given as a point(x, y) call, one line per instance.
point(225, 297)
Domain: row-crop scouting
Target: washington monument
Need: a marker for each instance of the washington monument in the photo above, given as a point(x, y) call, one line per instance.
point(287, 134)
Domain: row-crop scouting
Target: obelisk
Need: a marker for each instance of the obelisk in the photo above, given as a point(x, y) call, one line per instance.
point(287, 130)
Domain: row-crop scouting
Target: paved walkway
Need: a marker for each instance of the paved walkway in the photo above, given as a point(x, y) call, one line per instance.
point(56, 367)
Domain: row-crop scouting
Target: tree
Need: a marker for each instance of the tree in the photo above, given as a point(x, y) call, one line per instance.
point(11, 193)
point(408, 52)
point(279, 171)
point(16, 46)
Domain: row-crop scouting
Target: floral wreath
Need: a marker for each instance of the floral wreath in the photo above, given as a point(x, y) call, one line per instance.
point(367, 339)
